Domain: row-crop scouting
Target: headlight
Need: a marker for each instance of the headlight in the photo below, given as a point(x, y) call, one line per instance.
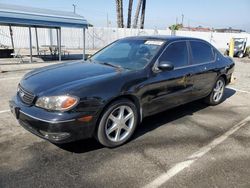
point(60, 103)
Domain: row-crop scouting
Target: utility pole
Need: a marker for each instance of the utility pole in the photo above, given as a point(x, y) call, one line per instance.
point(11, 37)
point(182, 19)
point(74, 5)
point(107, 20)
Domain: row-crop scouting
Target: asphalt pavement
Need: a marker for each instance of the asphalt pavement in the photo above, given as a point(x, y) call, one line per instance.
point(188, 146)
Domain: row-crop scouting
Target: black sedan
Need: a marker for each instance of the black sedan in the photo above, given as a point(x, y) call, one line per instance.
point(109, 94)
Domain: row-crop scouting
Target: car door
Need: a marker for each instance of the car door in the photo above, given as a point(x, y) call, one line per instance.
point(204, 68)
point(166, 89)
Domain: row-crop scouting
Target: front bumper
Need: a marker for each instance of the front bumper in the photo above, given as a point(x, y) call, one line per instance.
point(57, 127)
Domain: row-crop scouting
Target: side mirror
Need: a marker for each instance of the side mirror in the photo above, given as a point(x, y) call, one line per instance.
point(165, 66)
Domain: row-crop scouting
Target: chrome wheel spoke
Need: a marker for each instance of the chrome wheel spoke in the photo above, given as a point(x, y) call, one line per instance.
point(121, 112)
point(215, 96)
point(221, 87)
point(126, 128)
point(117, 134)
point(112, 128)
point(129, 116)
point(113, 118)
point(119, 123)
point(218, 84)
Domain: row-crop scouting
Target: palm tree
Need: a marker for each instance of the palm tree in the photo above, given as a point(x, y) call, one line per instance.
point(130, 4)
point(137, 13)
point(119, 13)
point(143, 14)
point(117, 2)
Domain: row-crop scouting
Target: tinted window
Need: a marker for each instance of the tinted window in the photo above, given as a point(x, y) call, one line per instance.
point(122, 51)
point(129, 53)
point(176, 53)
point(201, 52)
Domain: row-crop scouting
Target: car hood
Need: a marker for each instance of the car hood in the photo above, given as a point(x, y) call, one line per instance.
point(42, 79)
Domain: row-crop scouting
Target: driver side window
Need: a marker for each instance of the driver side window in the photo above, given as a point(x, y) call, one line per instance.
point(176, 53)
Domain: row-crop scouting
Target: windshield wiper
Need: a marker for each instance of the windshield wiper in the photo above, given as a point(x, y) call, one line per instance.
point(112, 65)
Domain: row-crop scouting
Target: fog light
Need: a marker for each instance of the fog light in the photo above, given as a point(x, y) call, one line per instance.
point(55, 136)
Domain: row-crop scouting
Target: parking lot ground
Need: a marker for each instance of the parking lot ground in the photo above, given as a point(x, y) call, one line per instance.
point(227, 165)
point(160, 142)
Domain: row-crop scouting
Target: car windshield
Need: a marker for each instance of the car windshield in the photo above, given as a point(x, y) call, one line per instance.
point(128, 53)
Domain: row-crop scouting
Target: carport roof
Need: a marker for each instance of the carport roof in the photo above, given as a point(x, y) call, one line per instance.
point(36, 17)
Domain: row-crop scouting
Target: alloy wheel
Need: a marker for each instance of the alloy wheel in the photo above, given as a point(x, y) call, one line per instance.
point(218, 91)
point(120, 123)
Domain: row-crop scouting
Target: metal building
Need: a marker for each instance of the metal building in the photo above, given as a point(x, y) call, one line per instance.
point(13, 15)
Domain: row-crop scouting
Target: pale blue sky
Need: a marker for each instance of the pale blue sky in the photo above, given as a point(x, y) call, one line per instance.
point(159, 13)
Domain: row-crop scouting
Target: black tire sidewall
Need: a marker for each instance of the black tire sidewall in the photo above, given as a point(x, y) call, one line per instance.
point(101, 136)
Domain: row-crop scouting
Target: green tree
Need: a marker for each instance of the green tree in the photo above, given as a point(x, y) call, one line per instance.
point(175, 27)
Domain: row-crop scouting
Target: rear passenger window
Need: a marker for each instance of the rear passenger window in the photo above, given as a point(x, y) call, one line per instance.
point(176, 53)
point(201, 52)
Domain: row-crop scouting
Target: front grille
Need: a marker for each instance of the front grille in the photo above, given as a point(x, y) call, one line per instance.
point(26, 96)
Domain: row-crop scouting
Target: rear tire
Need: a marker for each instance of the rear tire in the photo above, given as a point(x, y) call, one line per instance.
point(216, 95)
point(240, 54)
point(117, 123)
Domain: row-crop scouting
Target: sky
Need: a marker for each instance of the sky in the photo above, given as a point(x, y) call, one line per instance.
point(159, 13)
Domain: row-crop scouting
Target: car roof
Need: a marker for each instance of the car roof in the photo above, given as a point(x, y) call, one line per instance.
point(163, 37)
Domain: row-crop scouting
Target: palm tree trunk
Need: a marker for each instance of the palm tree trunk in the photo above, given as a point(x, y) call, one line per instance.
point(143, 14)
point(117, 3)
point(137, 14)
point(119, 13)
point(130, 5)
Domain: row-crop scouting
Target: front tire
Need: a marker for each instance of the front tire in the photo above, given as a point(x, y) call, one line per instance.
point(117, 123)
point(216, 96)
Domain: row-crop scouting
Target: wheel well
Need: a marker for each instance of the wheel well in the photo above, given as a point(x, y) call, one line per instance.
point(128, 97)
point(224, 77)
